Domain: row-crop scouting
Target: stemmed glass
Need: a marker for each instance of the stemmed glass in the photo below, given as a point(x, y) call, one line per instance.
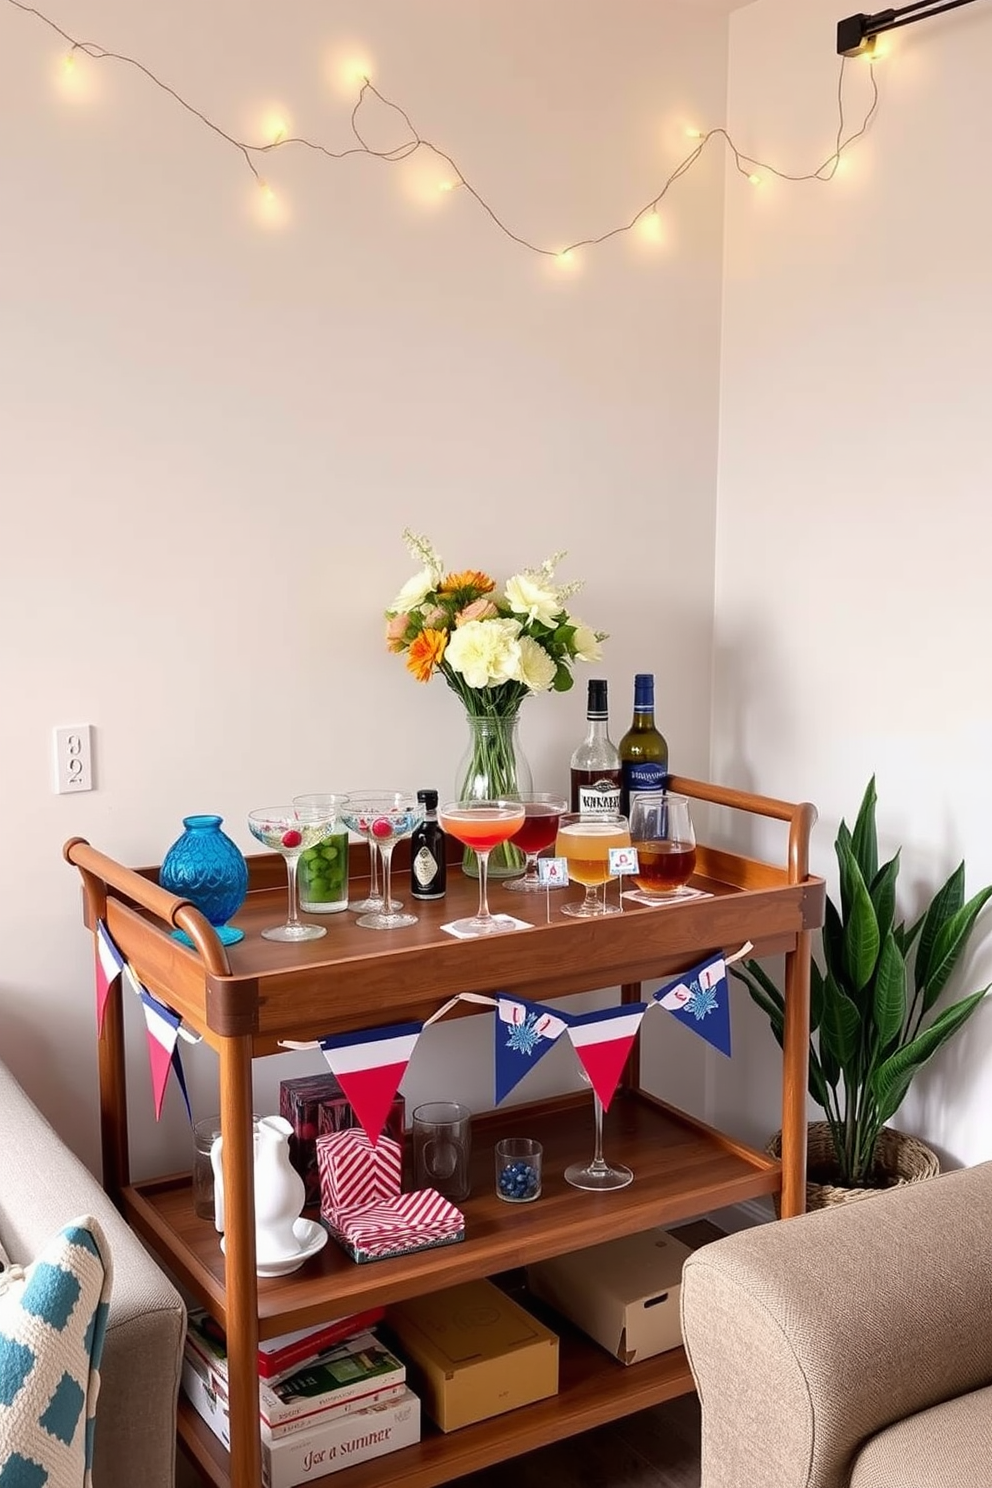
point(384, 819)
point(366, 801)
point(284, 829)
point(584, 841)
point(661, 830)
point(598, 1175)
point(542, 812)
point(482, 825)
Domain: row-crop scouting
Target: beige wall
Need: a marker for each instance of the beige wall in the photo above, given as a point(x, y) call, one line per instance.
point(212, 435)
point(852, 605)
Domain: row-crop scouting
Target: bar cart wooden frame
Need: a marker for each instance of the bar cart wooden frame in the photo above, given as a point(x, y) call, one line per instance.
point(245, 999)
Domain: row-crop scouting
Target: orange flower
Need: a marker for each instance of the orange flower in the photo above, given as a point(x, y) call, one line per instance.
point(472, 578)
point(425, 653)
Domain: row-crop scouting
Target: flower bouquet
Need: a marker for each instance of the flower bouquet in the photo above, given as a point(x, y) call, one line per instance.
point(493, 649)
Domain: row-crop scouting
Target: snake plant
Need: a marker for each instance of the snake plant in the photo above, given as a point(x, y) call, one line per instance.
point(873, 1018)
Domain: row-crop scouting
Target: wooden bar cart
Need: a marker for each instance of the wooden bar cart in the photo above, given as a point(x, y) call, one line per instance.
point(245, 999)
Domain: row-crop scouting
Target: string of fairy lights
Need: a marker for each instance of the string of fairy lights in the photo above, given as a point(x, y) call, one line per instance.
point(645, 219)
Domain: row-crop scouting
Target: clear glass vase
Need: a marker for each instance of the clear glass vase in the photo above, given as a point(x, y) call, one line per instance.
point(493, 765)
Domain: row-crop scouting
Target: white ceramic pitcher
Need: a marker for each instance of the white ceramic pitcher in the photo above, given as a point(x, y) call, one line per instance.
point(280, 1192)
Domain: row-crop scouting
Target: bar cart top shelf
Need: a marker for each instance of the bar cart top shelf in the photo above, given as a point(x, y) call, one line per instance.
point(352, 978)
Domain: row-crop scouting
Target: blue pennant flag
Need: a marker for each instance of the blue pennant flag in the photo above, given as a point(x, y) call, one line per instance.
point(525, 1031)
point(700, 999)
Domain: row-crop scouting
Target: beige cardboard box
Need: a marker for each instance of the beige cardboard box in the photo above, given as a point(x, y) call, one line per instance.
point(623, 1293)
point(473, 1353)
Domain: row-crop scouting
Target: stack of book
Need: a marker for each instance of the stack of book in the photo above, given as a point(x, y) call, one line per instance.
point(328, 1396)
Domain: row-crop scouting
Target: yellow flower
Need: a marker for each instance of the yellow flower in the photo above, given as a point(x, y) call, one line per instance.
point(471, 578)
point(535, 668)
point(425, 653)
point(485, 652)
point(527, 596)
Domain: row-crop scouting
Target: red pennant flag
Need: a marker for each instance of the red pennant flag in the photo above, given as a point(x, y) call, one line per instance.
point(602, 1040)
point(162, 1026)
point(369, 1067)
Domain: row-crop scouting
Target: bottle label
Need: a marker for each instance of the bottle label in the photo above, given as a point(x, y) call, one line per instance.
point(424, 866)
point(601, 795)
point(644, 775)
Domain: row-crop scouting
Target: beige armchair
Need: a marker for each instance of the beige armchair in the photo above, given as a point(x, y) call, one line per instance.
point(850, 1348)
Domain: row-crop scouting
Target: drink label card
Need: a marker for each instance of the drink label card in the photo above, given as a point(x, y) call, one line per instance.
point(553, 872)
point(623, 860)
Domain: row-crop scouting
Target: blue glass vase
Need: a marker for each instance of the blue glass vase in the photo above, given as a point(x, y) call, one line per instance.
point(207, 868)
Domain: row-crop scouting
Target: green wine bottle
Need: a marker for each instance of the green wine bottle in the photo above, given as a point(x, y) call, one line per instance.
point(643, 750)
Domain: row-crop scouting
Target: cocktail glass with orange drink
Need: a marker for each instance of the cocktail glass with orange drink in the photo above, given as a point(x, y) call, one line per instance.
point(482, 825)
point(584, 841)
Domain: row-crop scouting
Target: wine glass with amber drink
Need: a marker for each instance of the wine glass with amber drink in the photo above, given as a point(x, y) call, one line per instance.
point(661, 830)
point(542, 813)
point(482, 825)
point(584, 841)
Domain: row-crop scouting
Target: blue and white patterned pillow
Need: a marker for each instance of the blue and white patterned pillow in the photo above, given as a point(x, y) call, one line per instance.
point(53, 1318)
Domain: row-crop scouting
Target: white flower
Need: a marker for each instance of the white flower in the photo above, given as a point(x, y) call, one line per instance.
point(526, 595)
point(536, 670)
point(587, 647)
point(485, 652)
point(413, 593)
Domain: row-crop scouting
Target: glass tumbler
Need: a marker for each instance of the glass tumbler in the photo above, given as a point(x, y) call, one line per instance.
point(518, 1169)
point(442, 1146)
point(204, 1133)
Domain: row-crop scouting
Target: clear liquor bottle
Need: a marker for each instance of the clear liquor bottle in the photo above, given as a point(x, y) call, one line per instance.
point(595, 764)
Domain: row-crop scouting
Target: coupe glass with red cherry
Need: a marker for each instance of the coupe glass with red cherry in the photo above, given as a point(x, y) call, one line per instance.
point(283, 829)
point(384, 819)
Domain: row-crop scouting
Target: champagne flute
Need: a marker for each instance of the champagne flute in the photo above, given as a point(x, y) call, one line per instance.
point(482, 825)
point(283, 829)
point(366, 802)
point(584, 841)
point(385, 819)
point(542, 813)
point(598, 1176)
point(661, 830)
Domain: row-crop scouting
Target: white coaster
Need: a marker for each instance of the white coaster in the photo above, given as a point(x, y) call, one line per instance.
point(655, 903)
point(506, 923)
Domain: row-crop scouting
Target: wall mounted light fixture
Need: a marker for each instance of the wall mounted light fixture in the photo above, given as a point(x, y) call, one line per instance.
point(856, 34)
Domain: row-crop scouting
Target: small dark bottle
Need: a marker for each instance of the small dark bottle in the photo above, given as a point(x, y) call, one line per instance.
point(428, 869)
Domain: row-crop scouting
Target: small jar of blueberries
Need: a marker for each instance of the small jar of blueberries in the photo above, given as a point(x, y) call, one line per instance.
point(518, 1169)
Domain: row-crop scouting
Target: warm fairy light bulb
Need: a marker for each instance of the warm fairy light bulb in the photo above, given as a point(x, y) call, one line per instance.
point(447, 185)
point(276, 128)
point(269, 208)
point(754, 178)
point(68, 62)
point(567, 258)
point(649, 227)
point(691, 133)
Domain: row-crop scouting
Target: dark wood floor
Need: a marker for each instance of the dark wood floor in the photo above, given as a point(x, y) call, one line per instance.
point(657, 1448)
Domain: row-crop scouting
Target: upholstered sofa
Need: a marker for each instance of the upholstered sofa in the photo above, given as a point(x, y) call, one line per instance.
point(42, 1186)
point(852, 1347)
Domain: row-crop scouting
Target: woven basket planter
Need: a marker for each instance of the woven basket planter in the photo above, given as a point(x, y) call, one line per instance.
point(899, 1158)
